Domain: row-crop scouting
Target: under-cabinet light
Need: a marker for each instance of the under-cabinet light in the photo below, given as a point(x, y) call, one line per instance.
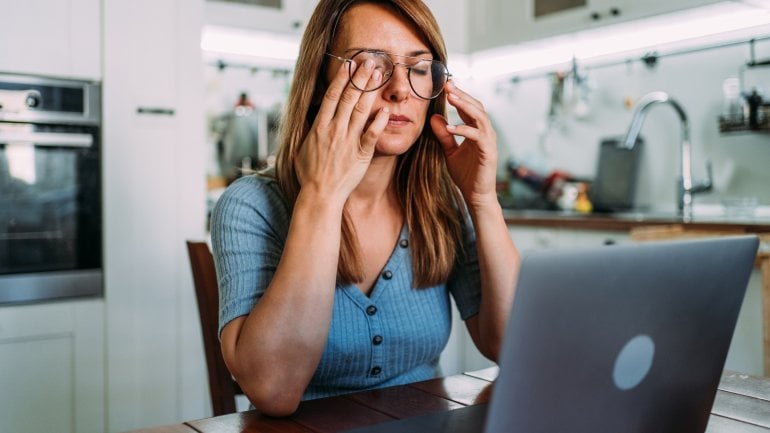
point(624, 39)
point(265, 46)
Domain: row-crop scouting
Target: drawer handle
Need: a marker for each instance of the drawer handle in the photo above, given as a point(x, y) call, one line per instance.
point(53, 139)
point(155, 111)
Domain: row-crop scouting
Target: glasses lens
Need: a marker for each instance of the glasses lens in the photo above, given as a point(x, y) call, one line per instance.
point(382, 63)
point(428, 78)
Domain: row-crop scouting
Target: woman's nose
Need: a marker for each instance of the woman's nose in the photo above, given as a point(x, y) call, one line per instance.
point(397, 89)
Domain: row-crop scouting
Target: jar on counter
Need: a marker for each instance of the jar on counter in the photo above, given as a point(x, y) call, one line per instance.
point(734, 105)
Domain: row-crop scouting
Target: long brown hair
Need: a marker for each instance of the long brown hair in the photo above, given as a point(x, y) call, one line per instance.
point(431, 203)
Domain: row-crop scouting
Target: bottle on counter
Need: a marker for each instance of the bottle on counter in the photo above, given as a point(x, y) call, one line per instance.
point(754, 100)
point(582, 202)
point(734, 104)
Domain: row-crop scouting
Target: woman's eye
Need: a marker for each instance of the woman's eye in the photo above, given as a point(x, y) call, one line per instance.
point(421, 70)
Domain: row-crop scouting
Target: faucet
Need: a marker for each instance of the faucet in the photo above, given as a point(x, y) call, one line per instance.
point(686, 187)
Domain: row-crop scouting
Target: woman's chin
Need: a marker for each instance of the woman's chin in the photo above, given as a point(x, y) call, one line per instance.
point(393, 145)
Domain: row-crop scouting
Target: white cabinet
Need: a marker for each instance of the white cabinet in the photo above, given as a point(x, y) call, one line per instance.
point(452, 17)
point(529, 239)
point(154, 199)
point(52, 375)
point(51, 37)
point(291, 17)
point(502, 22)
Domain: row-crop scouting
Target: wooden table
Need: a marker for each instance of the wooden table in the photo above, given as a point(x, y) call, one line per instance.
point(742, 405)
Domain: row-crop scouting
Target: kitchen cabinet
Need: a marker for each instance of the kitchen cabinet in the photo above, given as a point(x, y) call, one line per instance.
point(290, 17)
point(530, 239)
point(51, 37)
point(452, 18)
point(293, 15)
point(500, 22)
point(154, 199)
point(52, 358)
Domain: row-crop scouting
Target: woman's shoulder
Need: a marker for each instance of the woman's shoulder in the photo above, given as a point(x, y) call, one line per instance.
point(255, 187)
point(258, 192)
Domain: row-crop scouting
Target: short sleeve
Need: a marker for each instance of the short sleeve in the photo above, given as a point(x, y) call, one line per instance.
point(465, 281)
point(249, 224)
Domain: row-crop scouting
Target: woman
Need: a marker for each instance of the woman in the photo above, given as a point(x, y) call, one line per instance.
point(334, 269)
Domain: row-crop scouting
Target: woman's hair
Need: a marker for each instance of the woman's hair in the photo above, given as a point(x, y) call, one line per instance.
point(430, 201)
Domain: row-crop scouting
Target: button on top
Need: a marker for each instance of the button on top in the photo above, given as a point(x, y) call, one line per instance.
point(371, 310)
point(387, 275)
point(403, 243)
point(377, 340)
point(375, 371)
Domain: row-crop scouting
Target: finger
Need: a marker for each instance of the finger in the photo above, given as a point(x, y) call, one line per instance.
point(439, 126)
point(334, 92)
point(351, 95)
point(362, 110)
point(372, 134)
point(452, 89)
point(468, 111)
point(465, 131)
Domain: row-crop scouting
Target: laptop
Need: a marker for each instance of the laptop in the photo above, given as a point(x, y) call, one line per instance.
point(621, 338)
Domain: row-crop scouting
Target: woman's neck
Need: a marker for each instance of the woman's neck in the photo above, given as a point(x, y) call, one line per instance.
point(377, 188)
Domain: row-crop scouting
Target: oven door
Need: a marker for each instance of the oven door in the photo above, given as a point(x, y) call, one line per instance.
point(50, 212)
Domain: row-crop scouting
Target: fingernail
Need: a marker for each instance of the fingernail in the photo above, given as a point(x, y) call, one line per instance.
point(377, 75)
point(454, 96)
point(369, 64)
point(385, 110)
point(451, 84)
point(451, 127)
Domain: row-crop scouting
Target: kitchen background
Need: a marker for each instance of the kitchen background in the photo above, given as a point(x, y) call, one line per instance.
point(172, 74)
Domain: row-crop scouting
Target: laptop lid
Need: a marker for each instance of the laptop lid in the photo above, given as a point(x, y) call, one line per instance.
point(623, 338)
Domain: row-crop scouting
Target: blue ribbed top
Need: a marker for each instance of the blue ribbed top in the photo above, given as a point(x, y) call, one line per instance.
point(391, 337)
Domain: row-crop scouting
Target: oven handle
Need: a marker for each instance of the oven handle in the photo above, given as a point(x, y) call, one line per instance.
point(54, 139)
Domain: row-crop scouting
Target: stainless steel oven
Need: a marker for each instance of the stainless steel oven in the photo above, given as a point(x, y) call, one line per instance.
point(50, 189)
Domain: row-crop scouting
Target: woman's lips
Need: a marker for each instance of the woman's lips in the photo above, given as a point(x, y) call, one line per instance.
point(398, 120)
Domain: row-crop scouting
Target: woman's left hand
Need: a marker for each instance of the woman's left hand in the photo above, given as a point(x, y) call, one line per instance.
point(473, 162)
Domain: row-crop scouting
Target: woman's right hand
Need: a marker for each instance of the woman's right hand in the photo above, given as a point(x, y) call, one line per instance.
point(339, 147)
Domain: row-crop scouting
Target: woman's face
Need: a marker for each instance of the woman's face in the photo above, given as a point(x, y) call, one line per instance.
point(370, 26)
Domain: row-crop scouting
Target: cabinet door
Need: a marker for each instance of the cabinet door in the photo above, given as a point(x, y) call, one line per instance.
point(52, 358)
point(452, 19)
point(290, 16)
point(154, 199)
point(501, 22)
point(51, 37)
point(34, 36)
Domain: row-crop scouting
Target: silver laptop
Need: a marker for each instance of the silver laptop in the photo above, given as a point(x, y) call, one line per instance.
point(623, 338)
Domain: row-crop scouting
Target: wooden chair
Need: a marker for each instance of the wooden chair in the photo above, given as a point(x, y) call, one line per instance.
point(221, 383)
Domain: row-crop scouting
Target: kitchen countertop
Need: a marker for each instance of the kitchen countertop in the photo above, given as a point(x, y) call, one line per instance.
point(625, 221)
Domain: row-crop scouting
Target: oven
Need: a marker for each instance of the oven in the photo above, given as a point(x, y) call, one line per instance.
point(50, 189)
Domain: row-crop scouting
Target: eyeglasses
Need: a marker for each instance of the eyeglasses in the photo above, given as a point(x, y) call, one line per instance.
point(426, 77)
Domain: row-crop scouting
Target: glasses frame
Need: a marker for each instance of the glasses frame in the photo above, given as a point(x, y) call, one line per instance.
point(387, 77)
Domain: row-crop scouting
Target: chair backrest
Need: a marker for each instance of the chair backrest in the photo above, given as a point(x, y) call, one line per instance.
point(223, 387)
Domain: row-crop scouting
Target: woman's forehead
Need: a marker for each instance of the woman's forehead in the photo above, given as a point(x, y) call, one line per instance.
point(372, 26)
